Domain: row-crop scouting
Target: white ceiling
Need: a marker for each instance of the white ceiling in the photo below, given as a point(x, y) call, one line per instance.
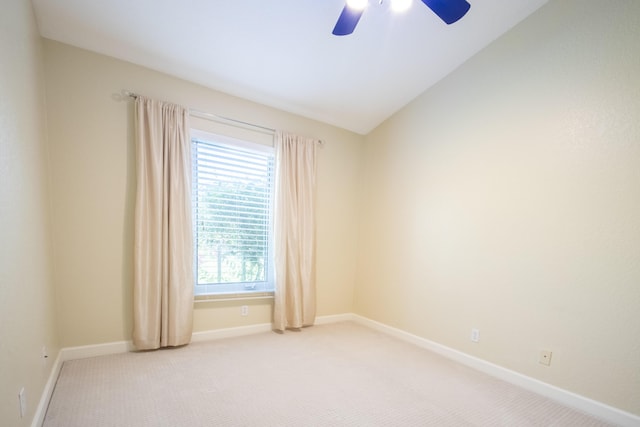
point(281, 53)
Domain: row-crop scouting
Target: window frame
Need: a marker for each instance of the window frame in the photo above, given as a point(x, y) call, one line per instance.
point(233, 289)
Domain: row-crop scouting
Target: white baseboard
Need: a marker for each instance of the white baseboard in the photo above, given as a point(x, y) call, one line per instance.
point(334, 318)
point(595, 408)
point(584, 404)
point(82, 352)
point(260, 327)
point(72, 353)
point(41, 410)
point(237, 331)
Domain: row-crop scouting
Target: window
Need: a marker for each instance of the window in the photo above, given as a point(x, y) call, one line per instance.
point(232, 208)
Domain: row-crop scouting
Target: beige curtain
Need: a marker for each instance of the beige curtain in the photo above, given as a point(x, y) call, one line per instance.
point(163, 247)
point(294, 223)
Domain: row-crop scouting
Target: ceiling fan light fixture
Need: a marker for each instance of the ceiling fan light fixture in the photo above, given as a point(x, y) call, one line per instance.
point(357, 4)
point(449, 11)
point(400, 5)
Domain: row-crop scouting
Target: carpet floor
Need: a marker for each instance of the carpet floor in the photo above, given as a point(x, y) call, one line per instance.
point(340, 374)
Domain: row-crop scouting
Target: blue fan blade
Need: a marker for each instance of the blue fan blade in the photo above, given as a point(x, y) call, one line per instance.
point(448, 10)
point(347, 21)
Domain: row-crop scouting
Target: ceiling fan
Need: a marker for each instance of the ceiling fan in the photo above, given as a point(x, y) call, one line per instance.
point(448, 10)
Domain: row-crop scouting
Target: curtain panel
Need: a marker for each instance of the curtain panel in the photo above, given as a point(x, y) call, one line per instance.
point(163, 241)
point(295, 232)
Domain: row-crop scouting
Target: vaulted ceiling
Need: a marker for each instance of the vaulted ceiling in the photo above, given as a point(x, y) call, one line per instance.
point(281, 53)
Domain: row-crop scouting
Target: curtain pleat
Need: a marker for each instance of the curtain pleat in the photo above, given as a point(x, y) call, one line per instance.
point(163, 242)
point(294, 223)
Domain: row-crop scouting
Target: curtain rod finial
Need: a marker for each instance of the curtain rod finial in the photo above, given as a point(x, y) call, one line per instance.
point(129, 94)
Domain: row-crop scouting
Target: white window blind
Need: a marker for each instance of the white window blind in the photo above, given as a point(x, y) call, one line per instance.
point(232, 204)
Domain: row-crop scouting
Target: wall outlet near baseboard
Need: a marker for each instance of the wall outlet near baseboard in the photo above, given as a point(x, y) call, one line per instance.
point(244, 310)
point(475, 335)
point(545, 357)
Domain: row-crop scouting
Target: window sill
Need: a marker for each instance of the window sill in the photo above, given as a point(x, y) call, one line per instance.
point(240, 296)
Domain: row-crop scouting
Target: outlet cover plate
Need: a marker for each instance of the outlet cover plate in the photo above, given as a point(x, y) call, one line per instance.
point(545, 357)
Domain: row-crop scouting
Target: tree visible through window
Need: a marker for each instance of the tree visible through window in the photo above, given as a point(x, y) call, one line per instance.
point(232, 200)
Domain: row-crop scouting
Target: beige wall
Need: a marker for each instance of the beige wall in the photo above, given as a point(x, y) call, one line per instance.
point(507, 198)
point(26, 295)
point(93, 186)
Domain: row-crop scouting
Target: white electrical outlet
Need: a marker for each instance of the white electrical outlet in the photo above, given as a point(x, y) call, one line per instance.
point(475, 335)
point(22, 398)
point(545, 357)
point(244, 310)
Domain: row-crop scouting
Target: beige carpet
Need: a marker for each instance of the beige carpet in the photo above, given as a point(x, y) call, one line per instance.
point(331, 375)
